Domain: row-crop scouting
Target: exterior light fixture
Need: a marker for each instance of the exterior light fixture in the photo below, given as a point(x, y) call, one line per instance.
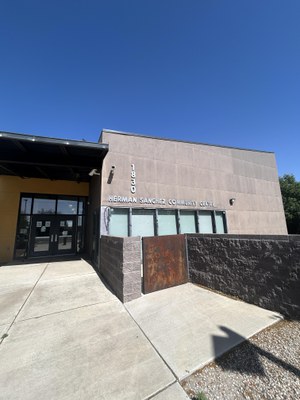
point(232, 201)
point(111, 174)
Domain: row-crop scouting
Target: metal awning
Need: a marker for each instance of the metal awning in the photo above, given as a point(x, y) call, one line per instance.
point(30, 156)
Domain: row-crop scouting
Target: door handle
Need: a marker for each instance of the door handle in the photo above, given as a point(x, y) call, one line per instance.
point(55, 238)
point(51, 238)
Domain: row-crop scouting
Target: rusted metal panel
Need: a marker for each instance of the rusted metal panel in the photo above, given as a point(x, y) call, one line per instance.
point(165, 263)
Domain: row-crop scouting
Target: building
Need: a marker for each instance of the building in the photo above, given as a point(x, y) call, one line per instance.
point(58, 196)
point(45, 188)
point(154, 186)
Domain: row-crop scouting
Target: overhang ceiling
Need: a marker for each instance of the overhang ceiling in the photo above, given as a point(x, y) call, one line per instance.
point(29, 156)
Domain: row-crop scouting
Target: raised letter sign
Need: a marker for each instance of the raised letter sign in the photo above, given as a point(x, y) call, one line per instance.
point(132, 180)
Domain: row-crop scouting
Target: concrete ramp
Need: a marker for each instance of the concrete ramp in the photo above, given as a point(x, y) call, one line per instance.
point(190, 326)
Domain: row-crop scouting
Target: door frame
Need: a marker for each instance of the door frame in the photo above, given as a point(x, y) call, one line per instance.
point(28, 215)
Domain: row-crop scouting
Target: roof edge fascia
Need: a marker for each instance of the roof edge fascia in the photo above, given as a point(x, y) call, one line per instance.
point(181, 141)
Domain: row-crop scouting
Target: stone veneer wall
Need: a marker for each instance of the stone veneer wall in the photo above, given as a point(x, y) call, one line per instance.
point(262, 270)
point(120, 265)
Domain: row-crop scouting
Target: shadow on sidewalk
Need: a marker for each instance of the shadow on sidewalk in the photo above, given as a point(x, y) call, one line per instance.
point(250, 363)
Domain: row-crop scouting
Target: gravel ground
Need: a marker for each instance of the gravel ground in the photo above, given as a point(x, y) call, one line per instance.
point(266, 367)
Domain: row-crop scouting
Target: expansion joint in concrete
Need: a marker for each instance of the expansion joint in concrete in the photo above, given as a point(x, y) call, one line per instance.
point(155, 349)
point(161, 390)
point(25, 301)
point(66, 310)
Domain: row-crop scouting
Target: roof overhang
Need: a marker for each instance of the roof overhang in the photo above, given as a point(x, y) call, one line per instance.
point(30, 156)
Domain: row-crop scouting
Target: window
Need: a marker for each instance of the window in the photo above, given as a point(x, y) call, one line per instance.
point(81, 205)
point(22, 237)
point(118, 224)
point(220, 221)
point(143, 223)
point(26, 203)
point(44, 206)
point(67, 206)
point(167, 222)
point(188, 222)
point(205, 222)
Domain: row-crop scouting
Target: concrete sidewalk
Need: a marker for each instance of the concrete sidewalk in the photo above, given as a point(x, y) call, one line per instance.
point(190, 326)
point(69, 337)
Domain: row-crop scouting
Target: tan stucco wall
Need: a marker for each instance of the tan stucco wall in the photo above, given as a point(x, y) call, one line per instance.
point(10, 189)
point(187, 171)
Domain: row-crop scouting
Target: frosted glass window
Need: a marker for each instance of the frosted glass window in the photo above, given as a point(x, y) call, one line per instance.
point(205, 222)
point(219, 218)
point(118, 224)
point(167, 223)
point(143, 223)
point(187, 222)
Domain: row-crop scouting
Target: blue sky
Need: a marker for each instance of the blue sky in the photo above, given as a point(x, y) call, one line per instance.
point(215, 71)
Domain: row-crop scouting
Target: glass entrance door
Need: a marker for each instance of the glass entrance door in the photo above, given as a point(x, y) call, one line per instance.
point(52, 235)
point(41, 235)
point(64, 238)
point(50, 224)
